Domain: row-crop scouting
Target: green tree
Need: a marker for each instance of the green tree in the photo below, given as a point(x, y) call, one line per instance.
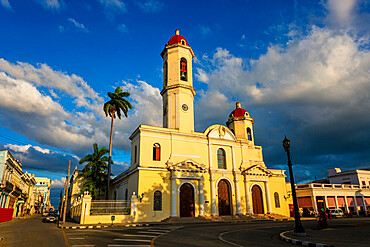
point(95, 171)
point(116, 104)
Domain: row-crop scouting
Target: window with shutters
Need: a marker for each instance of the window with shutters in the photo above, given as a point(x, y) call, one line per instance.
point(157, 201)
point(277, 200)
point(156, 152)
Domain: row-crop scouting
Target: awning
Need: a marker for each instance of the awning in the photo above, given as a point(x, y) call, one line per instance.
point(304, 202)
point(350, 201)
point(331, 201)
point(359, 201)
point(341, 201)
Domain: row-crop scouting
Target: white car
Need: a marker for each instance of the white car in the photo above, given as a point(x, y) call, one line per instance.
point(336, 212)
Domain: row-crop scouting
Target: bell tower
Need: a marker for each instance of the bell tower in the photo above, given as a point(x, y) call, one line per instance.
point(241, 124)
point(178, 92)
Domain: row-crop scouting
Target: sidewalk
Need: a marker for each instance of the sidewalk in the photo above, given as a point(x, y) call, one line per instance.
point(337, 234)
point(69, 224)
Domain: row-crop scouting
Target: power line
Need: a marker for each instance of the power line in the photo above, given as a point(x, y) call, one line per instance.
point(14, 140)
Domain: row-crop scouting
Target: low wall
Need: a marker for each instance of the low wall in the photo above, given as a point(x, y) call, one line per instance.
point(6, 214)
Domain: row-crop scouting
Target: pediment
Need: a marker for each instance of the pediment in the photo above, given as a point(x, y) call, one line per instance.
point(257, 169)
point(187, 165)
point(220, 132)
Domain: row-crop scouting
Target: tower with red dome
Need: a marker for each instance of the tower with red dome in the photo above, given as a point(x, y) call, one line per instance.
point(241, 124)
point(178, 92)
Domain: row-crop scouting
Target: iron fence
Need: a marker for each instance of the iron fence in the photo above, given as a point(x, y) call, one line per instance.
point(103, 207)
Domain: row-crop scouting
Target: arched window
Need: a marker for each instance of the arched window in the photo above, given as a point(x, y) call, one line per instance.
point(115, 195)
point(156, 152)
point(183, 69)
point(135, 155)
point(221, 158)
point(157, 201)
point(249, 133)
point(277, 200)
point(126, 194)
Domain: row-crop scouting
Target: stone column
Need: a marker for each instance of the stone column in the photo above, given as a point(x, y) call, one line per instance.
point(355, 202)
point(237, 195)
point(201, 197)
point(213, 195)
point(336, 202)
point(247, 195)
point(314, 204)
point(173, 195)
point(364, 203)
point(326, 201)
point(345, 202)
point(268, 199)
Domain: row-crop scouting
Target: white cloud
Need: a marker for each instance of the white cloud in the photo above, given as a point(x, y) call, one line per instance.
point(51, 4)
point(6, 4)
point(24, 148)
point(123, 28)
point(58, 183)
point(78, 25)
point(150, 6)
point(340, 10)
point(112, 8)
point(204, 30)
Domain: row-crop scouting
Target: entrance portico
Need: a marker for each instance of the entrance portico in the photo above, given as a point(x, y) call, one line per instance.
point(187, 173)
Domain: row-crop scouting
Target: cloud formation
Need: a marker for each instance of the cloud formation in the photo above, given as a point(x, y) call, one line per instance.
point(313, 88)
point(150, 6)
point(78, 25)
point(6, 4)
point(54, 5)
point(113, 8)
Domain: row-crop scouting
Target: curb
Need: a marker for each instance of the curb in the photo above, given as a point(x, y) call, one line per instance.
point(303, 243)
point(101, 226)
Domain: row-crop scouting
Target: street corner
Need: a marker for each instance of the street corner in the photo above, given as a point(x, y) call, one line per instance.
point(285, 236)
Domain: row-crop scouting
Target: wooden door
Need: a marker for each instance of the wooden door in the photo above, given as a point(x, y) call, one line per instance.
point(224, 198)
point(186, 200)
point(257, 200)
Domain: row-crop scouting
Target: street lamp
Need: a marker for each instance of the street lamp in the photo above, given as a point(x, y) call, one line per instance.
point(298, 228)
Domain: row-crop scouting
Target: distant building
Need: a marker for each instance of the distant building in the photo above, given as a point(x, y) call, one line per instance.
point(348, 190)
point(15, 187)
point(41, 195)
point(359, 177)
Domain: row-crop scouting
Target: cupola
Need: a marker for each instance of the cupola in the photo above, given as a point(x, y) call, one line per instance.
point(177, 39)
point(241, 124)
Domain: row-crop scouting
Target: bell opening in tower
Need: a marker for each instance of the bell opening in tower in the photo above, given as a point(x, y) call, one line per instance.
point(183, 69)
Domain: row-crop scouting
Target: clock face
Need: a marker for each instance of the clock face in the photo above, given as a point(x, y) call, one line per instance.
point(185, 107)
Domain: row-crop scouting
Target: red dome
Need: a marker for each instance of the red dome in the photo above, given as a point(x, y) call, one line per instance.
point(238, 112)
point(176, 39)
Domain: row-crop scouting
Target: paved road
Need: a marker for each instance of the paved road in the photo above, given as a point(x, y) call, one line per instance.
point(117, 236)
point(30, 232)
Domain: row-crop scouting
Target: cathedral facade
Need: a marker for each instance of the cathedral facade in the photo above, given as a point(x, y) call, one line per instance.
point(177, 172)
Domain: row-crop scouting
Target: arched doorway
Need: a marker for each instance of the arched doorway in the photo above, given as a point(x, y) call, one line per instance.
point(186, 200)
point(224, 204)
point(257, 200)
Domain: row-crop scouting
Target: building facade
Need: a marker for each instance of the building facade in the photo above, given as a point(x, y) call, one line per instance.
point(15, 187)
point(41, 195)
point(178, 172)
point(348, 190)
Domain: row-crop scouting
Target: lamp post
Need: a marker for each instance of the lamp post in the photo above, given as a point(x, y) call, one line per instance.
point(298, 228)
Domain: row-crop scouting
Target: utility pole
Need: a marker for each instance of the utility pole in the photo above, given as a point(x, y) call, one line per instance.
point(66, 192)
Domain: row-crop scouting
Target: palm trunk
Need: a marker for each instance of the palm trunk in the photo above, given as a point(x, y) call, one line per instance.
point(110, 157)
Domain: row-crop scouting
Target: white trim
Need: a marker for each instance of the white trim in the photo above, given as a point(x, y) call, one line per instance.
point(262, 190)
point(185, 155)
point(152, 169)
point(192, 184)
point(228, 179)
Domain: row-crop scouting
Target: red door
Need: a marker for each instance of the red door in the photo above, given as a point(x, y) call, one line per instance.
point(223, 198)
point(186, 200)
point(257, 200)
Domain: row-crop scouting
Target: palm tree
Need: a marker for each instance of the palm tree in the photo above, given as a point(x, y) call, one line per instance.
point(116, 104)
point(95, 171)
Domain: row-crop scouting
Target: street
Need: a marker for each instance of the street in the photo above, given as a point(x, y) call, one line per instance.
point(33, 232)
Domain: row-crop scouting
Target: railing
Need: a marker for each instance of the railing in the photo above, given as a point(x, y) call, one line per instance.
point(110, 207)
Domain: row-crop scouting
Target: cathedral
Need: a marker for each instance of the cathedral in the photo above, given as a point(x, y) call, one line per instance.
point(177, 172)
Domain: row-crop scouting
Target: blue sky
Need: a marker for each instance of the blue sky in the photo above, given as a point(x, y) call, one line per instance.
point(299, 68)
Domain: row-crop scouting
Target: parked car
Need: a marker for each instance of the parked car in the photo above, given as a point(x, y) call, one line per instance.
point(336, 212)
point(45, 213)
point(52, 216)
